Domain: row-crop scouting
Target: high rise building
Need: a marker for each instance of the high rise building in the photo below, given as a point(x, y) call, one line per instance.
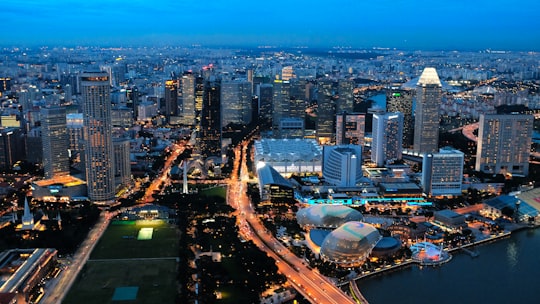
point(235, 102)
point(55, 141)
point(442, 173)
point(281, 103)
point(287, 73)
point(428, 103)
point(122, 162)
point(11, 147)
point(266, 97)
point(342, 165)
point(75, 126)
point(297, 98)
point(326, 111)
point(350, 129)
point(187, 83)
point(504, 143)
point(386, 146)
point(5, 84)
point(345, 98)
point(96, 105)
point(398, 100)
point(210, 144)
point(171, 99)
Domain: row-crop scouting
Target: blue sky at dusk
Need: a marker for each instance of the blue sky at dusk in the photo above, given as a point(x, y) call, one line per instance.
point(413, 24)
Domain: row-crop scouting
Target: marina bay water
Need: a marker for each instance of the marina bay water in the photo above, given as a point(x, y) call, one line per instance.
point(506, 271)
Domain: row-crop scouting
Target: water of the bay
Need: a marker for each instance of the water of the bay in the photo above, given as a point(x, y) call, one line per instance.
point(506, 271)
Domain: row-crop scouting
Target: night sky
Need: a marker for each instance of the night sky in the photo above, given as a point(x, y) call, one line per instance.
point(413, 24)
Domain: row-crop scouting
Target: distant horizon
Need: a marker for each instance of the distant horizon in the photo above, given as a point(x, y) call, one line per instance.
point(262, 48)
point(407, 25)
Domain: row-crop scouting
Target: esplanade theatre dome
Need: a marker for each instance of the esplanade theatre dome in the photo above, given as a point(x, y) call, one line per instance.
point(327, 216)
point(350, 244)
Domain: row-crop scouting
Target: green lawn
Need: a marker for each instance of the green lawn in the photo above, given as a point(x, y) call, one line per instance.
point(216, 191)
point(110, 266)
point(120, 242)
point(97, 281)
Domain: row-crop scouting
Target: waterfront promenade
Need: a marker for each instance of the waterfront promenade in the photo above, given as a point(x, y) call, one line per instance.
point(409, 262)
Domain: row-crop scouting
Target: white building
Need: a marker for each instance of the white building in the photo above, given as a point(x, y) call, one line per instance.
point(442, 173)
point(386, 146)
point(504, 143)
point(342, 165)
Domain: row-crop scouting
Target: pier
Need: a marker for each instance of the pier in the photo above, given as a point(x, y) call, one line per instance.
point(473, 254)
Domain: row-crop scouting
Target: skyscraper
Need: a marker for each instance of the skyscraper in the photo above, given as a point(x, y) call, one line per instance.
point(171, 99)
point(55, 141)
point(187, 83)
point(97, 130)
point(504, 143)
point(398, 100)
point(281, 102)
point(345, 100)
point(442, 173)
point(350, 128)
point(428, 102)
point(326, 111)
point(211, 119)
point(266, 97)
point(235, 102)
point(387, 135)
point(122, 163)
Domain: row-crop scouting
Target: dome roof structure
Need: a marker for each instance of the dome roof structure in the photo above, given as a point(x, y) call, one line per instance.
point(327, 216)
point(350, 244)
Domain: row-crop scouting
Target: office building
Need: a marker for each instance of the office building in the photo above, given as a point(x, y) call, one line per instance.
point(281, 102)
point(75, 124)
point(442, 173)
point(171, 99)
point(342, 165)
point(266, 97)
point(55, 141)
point(504, 143)
point(297, 98)
point(96, 105)
point(187, 83)
point(291, 128)
point(345, 98)
point(350, 129)
point(235, 102)
point(326, 111)
point(210, 139)
point(287, 73)
point(386, 146)
point(11, 147)
point(398, 100)
point(428, 102)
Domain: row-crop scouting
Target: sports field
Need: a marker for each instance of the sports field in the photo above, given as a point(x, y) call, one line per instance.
point(130, 255)
point(120, 241)
point(156, 280)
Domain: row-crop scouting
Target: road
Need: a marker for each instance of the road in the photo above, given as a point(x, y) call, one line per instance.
point(310, 283)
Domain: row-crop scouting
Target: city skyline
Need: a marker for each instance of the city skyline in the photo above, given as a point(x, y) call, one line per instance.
point(415, 24)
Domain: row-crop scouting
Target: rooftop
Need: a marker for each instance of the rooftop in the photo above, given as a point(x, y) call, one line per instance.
point(429, 77)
